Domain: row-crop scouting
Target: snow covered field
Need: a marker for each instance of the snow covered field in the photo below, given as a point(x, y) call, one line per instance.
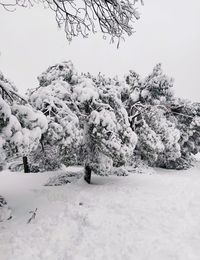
point(154, 216)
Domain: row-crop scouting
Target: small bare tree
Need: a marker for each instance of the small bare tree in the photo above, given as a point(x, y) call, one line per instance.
point(80, 17)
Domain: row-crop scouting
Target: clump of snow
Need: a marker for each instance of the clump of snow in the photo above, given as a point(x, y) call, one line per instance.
point(85, 91)
point(120, 171)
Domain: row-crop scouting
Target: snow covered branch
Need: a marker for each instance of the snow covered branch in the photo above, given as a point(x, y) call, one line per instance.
point(114, 18)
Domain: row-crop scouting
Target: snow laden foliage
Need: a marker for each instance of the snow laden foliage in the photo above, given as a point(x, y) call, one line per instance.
point(155, 89)
point(21, 126)
point(64, 71)
point(187, 116)
point(95, 119)
point(98, 121)
point(86, 113)
point(64, 134)
point(8, 91)
point(112, 139)
point(149, 144)
point(167, 127)
point(110, 128)
point(5, 114)
point(167, 134)
point(33, 125)
point(158, 138)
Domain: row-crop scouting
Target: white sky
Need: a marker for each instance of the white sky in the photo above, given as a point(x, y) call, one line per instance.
point(168, 32)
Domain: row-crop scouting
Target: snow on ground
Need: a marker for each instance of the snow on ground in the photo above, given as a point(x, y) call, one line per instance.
point(139, 217)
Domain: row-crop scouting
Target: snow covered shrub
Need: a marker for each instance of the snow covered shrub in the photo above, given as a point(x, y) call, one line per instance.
point(64, 178)
point(120, 171)
point(82, 109)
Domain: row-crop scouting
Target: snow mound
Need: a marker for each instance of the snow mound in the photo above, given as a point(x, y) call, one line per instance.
point(64, 178)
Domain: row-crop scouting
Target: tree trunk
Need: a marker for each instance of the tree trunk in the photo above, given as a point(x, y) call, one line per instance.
point(41, 142)
point(25, 163)
point(87, 175)
point(89, 146)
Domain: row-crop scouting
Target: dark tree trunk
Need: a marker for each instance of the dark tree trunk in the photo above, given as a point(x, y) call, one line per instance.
point(87, 174)
point(89, 146)
point(25, 163)
point(41, 142)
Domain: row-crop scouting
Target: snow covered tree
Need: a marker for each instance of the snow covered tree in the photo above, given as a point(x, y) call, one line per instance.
point(187, 116)
point(168, 133)
point(21, 126)
point(149, 105)
point(33, 126)
point(152, 111)
point(9, 126)
point(59, 143)
point(158, 137)
point(98, 109)
point(114, 18)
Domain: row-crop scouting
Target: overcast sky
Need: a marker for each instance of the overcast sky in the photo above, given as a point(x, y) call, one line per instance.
point(168, 32)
